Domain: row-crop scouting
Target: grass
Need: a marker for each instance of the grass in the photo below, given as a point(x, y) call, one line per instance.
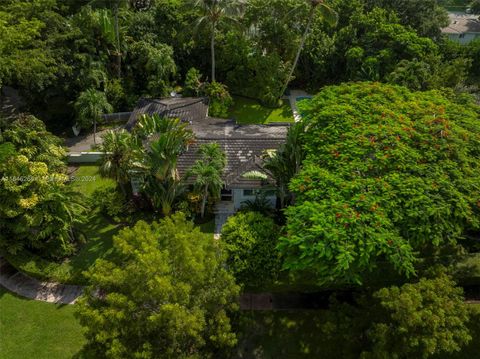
point(247, 111)
point(282, 334)
point(88, 179)
point(97, 230)
point(32, 329)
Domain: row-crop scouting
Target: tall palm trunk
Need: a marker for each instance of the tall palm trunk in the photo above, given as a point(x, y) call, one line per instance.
point(117, 39)
point(212, 49)
point(300, 48)
point(204, 201)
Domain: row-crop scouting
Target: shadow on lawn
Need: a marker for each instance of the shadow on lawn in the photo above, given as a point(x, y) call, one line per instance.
point(282, 334)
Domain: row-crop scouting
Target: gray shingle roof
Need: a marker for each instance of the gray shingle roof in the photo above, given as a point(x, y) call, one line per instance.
point(188, 109)
point(244, 145)
point(460, 24)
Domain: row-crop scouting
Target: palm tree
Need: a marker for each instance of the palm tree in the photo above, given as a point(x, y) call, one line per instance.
point(214, 12)
point(110, 27)
point(284, 164)
point(90, 106)
point(208, 172)
point(120, 152)
point(67, 208)
point(167, 139)
point(328, 14)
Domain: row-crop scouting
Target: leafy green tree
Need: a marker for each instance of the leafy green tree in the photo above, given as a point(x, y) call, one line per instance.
point(399, 180)
point(475, 6)
point(38, 209)
point(213, 13)
point(250, 240)
point(152, 67)
point(427, 17)
point(165, 294)
point(207, 172)
point(220, 99)
point(327, 14)
point(26, 59)
point(120, 152)
point(424, 319)
point(193, 83)
point(30, 137)
point(419, 320)
point(90, 106)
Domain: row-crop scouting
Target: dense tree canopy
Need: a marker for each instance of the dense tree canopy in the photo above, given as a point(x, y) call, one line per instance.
point(166, 294)
point(424, 319)
point(52, 51)
point(37, 209)
point(388, 174)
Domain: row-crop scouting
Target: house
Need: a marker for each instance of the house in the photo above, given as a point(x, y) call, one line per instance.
point(463, 28)
point(244, 146)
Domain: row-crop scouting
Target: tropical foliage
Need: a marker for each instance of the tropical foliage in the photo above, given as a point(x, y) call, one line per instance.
point(166, 294)
point(38, 210)
point(250, 241)
point(207, 173)
point(424, 319)
point(388, 174)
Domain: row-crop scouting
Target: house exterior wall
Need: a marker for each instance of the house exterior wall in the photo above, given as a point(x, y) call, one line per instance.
point(241, 195)
point(464, 38)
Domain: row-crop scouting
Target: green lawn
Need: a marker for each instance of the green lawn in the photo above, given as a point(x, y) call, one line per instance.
point(37, 330)
point(247, 111)
point(88, 179)
point(97, 230)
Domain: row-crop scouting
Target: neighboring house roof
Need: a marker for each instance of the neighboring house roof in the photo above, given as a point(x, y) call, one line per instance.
point(461, 24)
point(188, 109)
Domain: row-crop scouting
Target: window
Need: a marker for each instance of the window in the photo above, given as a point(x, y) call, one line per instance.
point(249, 192)
point(256, 192)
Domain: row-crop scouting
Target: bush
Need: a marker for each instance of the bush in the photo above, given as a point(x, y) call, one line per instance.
point(250, 240)
point(116, 94)
point(111, 202)
point(193, 83)
point(220, 99)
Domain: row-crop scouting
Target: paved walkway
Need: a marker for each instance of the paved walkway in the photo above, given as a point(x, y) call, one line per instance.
point(83, 143)
point(223, 210)
point(32, 288)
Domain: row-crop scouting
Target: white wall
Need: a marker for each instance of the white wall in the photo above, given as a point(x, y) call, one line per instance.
point(239, 197)
point(84, 157)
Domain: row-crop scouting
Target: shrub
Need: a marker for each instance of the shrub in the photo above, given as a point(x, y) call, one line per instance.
point(193, 83)
point(220, 99)
point(250, 240)
point(111, 202)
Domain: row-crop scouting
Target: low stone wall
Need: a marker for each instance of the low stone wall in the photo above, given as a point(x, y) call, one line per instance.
point(84, 157)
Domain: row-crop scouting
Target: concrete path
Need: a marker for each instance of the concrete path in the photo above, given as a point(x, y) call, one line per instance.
point(32, 288)
point(223, 210)
point(84, 143)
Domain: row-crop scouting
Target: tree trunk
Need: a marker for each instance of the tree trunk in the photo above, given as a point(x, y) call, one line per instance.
point(94, 131)
point(204, 201)
point(117, 39)
point(300, 48)
point(212, 49)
